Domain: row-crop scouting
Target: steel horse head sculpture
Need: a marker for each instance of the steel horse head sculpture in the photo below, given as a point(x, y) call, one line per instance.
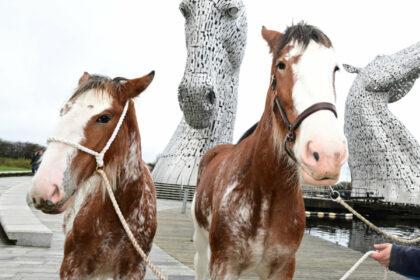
point(215, 33)
point(384, 156)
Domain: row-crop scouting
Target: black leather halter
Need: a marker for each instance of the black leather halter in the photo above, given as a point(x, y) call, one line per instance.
point(293, 126)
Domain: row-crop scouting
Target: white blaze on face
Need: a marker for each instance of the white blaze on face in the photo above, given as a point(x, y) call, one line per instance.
point(314, 83)
point(71, 127)
point(314, 76)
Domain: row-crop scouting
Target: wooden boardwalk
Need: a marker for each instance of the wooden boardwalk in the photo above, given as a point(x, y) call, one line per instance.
point(316, 258)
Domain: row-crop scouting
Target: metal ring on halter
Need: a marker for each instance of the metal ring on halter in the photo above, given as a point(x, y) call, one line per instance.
point(291, 136)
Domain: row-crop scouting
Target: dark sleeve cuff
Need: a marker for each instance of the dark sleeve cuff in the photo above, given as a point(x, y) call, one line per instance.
point(405, 260)
point(395, 259)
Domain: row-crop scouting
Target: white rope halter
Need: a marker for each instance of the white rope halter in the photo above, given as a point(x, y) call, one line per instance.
point(98, 156)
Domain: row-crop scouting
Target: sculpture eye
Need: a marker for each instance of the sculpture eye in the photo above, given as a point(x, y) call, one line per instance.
point(185, 12)
point(104, 119)
point(336, 69)
point(281, 65)
point(232, 12)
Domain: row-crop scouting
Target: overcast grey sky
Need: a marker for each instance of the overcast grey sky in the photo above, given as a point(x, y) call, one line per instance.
point(46, 45)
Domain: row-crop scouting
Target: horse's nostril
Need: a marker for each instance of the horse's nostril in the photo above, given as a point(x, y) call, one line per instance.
point(211, 97)
point(316, 156)
point(34, 200)
point(56, 190)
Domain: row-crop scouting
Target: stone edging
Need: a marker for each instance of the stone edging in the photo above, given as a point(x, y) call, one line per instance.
point(18, 221)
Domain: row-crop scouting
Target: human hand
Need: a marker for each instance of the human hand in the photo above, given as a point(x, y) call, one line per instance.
point(382, 254)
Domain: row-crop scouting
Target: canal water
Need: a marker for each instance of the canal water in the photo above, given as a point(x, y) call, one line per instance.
point(356, 235)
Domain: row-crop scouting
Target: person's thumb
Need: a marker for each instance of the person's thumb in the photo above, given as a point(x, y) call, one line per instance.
point(376, 256)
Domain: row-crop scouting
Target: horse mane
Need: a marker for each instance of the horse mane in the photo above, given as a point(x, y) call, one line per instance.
point(248, 133)
point(98, 82)
point(303, 34)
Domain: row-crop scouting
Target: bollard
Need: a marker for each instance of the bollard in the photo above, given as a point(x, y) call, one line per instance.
point(184, 201)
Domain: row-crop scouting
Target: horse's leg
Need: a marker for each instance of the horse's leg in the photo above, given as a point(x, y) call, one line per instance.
point(71, 265)
point(137, 272)
point(69, 270)
point(201, 259)
point(201, 243)
point(284, 272)
point(221, 270)
point(140, 273)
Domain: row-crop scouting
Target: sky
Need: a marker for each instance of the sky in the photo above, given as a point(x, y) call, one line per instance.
point(46, 45)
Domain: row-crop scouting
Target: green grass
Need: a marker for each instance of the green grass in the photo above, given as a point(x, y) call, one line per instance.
point(14, 164)
point(8, 168)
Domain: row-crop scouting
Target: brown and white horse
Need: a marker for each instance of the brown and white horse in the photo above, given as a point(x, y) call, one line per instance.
point(96, 244)
point(248, 209)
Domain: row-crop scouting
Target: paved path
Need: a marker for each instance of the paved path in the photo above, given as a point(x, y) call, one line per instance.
point(18, 220)
point(18, 262)
point(8, 182)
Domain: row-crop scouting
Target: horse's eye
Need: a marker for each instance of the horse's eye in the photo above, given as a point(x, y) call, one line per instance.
point(103, 119)
point(185, 12)
point(336, 69)
point(281, 65)
point(232, 12)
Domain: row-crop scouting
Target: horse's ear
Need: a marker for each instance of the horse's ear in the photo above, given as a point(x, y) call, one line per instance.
point(272, 37)
point(351, 69)
point(84, 78)
point(134, 87)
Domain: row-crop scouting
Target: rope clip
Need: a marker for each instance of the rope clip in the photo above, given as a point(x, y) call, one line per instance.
point(334, 194)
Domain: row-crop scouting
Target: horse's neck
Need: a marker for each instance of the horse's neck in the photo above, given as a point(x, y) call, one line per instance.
point(125, 177)
point(130, 168)
point(276, 171)
point(376, 101)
